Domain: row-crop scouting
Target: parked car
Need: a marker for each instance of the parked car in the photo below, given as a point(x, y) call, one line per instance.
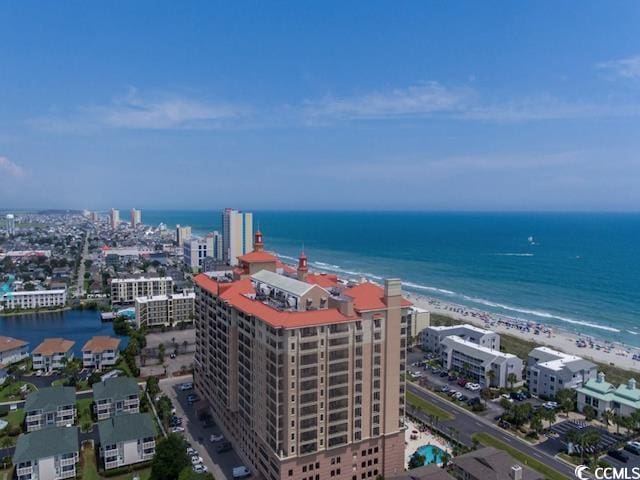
point(463, 398)
point(200, 468)
point(619, 455)
point(177, 429)
point(241, 472)
point(191, 451)
point(445, 388)
point(451, 378)
point(192, 398)
point(633, 447)
point(443, 374)
point(518, 396)
point(224, 447)
point(186, 386)
point(216, 438)
point(196, 459)
point(550, 405)
point(462, 382)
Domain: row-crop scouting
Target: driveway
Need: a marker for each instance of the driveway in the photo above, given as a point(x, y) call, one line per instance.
point(220, 465)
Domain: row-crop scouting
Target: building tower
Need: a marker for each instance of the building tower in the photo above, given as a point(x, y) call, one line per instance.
point(136, 217)
point(303, 267)
point(258, 244)
point(183, 234)
point(115, 218)
point(10, 224)
point(237, 234)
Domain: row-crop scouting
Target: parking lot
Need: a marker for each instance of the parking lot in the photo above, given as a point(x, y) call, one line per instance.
point(198, 433)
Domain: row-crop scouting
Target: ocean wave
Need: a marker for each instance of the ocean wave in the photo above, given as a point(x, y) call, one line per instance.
point(416, 286)
point(326, 265)
point(537, 313)
point(632, 332)
point(512, 254)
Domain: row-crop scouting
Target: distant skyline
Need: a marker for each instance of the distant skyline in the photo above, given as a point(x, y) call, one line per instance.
point(332, 105)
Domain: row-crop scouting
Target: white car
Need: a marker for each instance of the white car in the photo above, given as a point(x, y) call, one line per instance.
point(474, 387)
point(186, 386)
point(196, 459)
point(550, 405)
point(200, 468)
point(191, 451)
point(216, 438)
point(241, 472)
point(177, 429)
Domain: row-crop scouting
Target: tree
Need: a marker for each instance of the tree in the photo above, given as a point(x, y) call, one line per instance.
point(153, 386)
point(189, 474)
point(536, 424)
point(95, 377)
point(512, 378)
point(549, 414)
point(161, 352)
point(416, 460)
point(589, 413)
point(485, 394)
point(567, 400)
point(170, 459)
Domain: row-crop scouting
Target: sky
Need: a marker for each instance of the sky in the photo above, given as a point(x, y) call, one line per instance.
point(424, 105)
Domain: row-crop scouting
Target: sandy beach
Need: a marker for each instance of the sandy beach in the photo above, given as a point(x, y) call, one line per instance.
point(621, 356)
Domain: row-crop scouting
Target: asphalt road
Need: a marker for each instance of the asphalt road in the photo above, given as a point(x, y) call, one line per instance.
point(468, 424)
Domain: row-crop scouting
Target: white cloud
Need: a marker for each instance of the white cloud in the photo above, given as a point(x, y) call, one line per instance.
point(628, 67)
point(414, 101)
point(7, 167)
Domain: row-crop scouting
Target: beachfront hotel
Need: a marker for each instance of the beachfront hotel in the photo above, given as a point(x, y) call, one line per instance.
point(126, 290)
point(305, 380)
point(136, 217)
point(549, 371)
point(237, 234)
point(166, 310)
point(114, 218)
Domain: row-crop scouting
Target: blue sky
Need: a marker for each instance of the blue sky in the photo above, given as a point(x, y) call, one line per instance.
point(320, 105)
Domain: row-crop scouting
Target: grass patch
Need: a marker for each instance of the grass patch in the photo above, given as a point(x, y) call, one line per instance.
point(85, 419)
point(490, 441)
point(89, 467)
point(9, 435)
point(11, 390)
point(426, 407)
point(122, 365)
point(143, 474)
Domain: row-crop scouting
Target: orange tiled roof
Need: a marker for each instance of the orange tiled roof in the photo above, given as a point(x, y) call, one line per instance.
point(10, 343)
point(258, 257)
point(49, 346)
point(235, 293)
point(369, 296)
point(326, 280)
point(101, 344)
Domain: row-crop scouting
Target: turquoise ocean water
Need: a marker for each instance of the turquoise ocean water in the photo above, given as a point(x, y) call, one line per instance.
point(577, 271)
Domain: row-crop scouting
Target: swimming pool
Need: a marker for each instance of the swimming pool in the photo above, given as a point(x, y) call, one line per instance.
point(432, 454)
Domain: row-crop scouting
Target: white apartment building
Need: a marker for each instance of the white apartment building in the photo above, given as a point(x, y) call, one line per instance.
point(432, 336)
point(114, 218)
point(34, 299)
point(12, 350)
point(476, 362)
point(183, 234)
point(167, 310)
point(136, 217)
point(116, 396)
point(196, 250)
point(49, 454)
point(126, 440)
point(50, 406)
point(126, 290)
point(10, 224)
point(52, 354)
point(100, 352)
point(549, 371)
point(237, 234)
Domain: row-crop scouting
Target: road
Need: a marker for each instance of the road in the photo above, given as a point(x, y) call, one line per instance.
point(220, 465)
point(468, 424)
point(83, 257)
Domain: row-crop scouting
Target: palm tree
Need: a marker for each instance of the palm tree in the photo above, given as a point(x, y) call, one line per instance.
point(607, 417)
point(549, 415)
point(491, 377)
point(512, 378)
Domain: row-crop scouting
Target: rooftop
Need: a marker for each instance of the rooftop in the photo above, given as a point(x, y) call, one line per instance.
point(369, 296)
point(141, 279)
point(115, 388)
point(51, 346)
point(46, 443)
point(492, 464)
point(50, 398)
point(280, 282)
point(101, 344)
point(258, 257)
point(122, 428)
point(474, 349)
point(10, 343)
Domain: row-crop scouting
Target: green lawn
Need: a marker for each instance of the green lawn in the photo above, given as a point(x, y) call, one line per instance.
point(84, 413)
point(491, 441)
point(122, 365)
point(11, 391)
point(90, 470)
point(426, 407)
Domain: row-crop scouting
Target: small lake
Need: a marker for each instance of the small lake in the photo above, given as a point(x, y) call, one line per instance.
point(76, 325)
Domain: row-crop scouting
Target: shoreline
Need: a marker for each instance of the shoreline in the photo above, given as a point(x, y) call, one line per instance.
point(32, 312)
point(594, 349)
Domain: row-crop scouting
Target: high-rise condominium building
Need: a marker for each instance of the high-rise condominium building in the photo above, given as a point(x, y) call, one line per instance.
point(183, 234)
point(10, 224)
point(196, 250)
point(115, 218)
point(136, 217)
point(93, 216)
point(307, 383)
point(237, 234)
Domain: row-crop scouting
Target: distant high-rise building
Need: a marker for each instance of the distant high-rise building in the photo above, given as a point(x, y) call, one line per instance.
point(136, 217)
point(10, 224)
point(93, 216)
point(237, 234)
point(196, 250)
point(183, 234)
point(115, 218)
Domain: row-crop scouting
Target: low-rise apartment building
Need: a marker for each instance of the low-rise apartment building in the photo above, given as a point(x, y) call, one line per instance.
point(49, 454)
point(50, 406)
point(100, 352)
point(602, 396)
point(167, 310)
point(126, 290)
point(52, 354)
point(34, 299)
point(115, 396)
point(126, 440)
point(432, 336)
point(549, 371)
point(12, 350)
point(479, 364)
point(196, 250)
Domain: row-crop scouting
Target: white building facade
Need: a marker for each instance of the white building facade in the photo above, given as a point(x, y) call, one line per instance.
point(237, 234)
point(549, 371)
point(432, 336)
point(126, 290)
point(167, 310)
point(34, 299)
point(196, 250)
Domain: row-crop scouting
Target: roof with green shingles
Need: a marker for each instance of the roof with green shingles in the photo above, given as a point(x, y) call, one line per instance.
point(123, 428)
point(626, 394)
point(50, 398)
point(115, 388)
point(46, 443)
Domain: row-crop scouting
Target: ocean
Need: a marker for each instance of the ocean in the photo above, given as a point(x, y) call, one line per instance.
point(577, 271)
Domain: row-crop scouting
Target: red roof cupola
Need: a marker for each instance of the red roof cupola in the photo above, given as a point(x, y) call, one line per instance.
point(303, 267)
point(258, 244)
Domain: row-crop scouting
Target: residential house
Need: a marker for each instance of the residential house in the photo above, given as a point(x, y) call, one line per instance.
point(602, 396)
point(12, 350)
point(115, 396)
point(549, 371)
point(100, 351)
point(126, 440)
point(52, 354)
point(49, 454)
point(50, 406)
point(432, 336)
